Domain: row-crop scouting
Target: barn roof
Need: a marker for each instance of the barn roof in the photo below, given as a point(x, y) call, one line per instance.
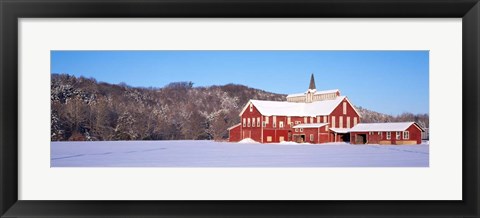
point(340, 130)
point(316, 93)
point(234, 126)
point(284, 108)
point(310, 125)
point(379, 127)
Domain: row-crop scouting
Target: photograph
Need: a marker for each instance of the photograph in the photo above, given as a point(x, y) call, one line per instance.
point(239, 108)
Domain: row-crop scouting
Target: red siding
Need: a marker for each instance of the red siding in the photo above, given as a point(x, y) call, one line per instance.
point(234, 134)
point(251, 131)
point(338, 111)
point(415, 134)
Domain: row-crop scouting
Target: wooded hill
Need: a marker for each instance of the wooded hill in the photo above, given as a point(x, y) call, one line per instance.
point(84, 109)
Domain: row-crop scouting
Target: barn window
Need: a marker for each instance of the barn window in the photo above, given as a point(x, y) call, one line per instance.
point(333, 121)
point(248, 122)
point(325, 119)
point(251, 107)
point(344, 107)
point(274, 124)
point(389, 135)
point(354, 121)
point(244, 122)
point(326, 127)
point(253, 122)
point(311, 119)
point(301, 129)
point(406, 135)
point(340, 122)
point(397, 135)
point(281, 124)
point(305, 120)
point(266, 119)
point(264, 124)
point(296, 129)
point(318, 119)
point(348, 122)
point(258, 121)
point(311, 137)
point(379, 133)
point(289, 119)
point(370, 133)
point(269, 138)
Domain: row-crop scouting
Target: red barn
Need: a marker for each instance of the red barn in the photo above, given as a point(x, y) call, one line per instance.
point(386, 133)
point(315, 117)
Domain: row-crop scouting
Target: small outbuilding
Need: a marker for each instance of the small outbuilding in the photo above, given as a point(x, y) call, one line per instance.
point(311, 132)
point(404, 133)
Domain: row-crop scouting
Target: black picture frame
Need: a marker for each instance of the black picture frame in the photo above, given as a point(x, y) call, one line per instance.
point(12, 10)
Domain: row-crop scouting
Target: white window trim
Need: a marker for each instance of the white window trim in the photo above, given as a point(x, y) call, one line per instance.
point(407, 133)
point(389, 135)
point(397, 135)
point(244, 122)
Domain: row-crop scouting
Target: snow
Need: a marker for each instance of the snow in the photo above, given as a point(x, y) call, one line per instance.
point(226, 154)
point(315, 93)
point(374, 127)
point(310, 125)
point(285, 108)
point(340, 130)
point(232, 127)
point(248, 141)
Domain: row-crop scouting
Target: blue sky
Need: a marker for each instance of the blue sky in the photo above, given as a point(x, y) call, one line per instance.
point(390, 82)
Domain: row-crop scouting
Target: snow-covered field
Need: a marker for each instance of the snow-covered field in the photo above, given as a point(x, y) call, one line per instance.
point(224, 154)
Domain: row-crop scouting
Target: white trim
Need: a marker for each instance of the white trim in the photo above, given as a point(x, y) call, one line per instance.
point(245, 107)
point(309, 125)
point(229, 128)
point(359, 115)
point(408, 135)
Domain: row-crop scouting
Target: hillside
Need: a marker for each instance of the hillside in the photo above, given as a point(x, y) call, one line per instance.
point(84, 109)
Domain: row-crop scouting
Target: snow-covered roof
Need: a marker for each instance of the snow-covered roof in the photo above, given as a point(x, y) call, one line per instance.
point(310, 125)
point(295, 95)
point(378, 127)
point(340, 130)
point(326, 91)
point(284, 108)
point(233, 126)
point(316, 93)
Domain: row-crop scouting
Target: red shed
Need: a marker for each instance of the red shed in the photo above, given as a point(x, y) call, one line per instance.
point(234, 133)
point(311, 132)
point(386, 133)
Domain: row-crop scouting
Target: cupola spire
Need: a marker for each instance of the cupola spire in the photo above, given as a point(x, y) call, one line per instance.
point(312, 83)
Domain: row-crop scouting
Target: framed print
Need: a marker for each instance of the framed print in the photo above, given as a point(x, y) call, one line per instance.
point(226, 108)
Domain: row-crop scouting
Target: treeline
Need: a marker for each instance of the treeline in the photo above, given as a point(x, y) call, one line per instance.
point(369, 116)
point(84, 109)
